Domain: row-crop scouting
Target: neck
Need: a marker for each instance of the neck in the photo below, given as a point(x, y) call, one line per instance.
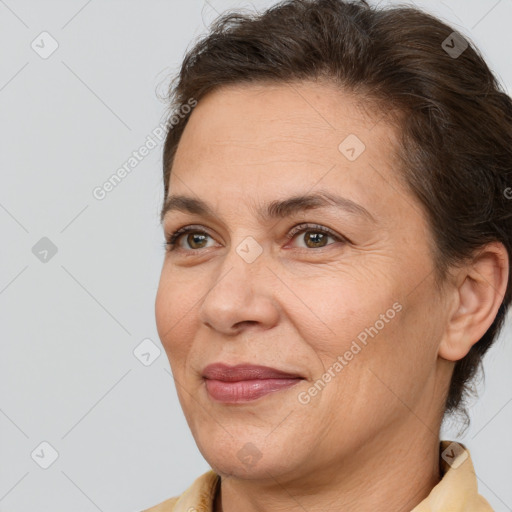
point(381, 475)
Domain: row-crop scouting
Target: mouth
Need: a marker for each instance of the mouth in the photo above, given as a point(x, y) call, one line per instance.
point(245, 383)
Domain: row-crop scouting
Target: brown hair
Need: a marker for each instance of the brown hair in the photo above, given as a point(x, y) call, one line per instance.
point(455, 124)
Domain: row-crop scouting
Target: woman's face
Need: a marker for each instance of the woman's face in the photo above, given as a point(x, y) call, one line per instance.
point(351, 313)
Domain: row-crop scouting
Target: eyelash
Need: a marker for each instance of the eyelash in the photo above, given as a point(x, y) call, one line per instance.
point(171, 239)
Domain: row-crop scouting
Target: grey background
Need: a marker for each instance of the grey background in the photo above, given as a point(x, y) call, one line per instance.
point(70, 324)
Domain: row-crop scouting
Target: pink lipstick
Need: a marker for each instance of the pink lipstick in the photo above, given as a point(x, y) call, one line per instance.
point(244, 382)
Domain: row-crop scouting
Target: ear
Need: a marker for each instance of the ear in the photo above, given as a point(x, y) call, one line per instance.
point(479, 290)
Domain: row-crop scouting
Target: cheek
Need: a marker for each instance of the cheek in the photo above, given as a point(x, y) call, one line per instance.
point(398, 352)
point(351, 306)
point(163, 310)
point(367, 322)
point(173, 309)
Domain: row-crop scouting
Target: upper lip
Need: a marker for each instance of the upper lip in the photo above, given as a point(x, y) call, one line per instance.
point(227, 373)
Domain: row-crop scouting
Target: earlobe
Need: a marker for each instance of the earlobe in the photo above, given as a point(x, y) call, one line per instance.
point(483, 283)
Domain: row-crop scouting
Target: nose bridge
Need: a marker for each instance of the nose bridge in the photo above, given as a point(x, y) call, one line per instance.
point(239, 294)
point(249, 249)
point(241, 268)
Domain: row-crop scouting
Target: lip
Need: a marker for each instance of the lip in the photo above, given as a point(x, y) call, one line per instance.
point(238, 372)
point(245, 382)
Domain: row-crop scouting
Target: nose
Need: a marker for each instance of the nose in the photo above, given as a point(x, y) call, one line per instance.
point(240, 293)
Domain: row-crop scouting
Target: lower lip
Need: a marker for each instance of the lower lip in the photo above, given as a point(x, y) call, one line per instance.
point(246, 390)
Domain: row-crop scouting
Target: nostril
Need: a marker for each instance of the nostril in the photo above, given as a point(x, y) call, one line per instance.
point(244, 323)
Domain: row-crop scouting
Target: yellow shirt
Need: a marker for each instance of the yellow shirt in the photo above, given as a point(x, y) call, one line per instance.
point(457, 491)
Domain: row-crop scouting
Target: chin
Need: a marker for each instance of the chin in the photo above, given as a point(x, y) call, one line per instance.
point(255, 469)
point(249, 456)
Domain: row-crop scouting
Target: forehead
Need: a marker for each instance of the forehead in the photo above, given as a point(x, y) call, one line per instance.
point(272, 139)
point(301, 117)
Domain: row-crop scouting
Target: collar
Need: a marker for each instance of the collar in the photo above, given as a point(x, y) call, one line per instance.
point(457, 491)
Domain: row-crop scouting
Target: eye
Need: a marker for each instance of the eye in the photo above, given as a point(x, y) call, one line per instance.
point(313, 236)
point(196, 238)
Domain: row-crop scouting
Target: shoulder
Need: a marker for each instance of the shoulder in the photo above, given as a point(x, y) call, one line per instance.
point(198, 496)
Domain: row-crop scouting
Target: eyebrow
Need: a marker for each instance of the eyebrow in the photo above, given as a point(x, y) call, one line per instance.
point(277, 209)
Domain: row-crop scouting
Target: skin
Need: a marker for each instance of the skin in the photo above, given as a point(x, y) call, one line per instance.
point(298, 307)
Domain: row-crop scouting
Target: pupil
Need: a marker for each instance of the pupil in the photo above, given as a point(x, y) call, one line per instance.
point(316, 238)
point(193, 237)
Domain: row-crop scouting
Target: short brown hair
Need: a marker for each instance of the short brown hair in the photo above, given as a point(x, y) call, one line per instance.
point(455, 127)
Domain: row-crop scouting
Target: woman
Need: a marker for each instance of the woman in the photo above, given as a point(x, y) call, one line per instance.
point(339, 237)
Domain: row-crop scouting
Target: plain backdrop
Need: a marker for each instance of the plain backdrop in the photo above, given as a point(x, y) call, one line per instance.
point(78, 276)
